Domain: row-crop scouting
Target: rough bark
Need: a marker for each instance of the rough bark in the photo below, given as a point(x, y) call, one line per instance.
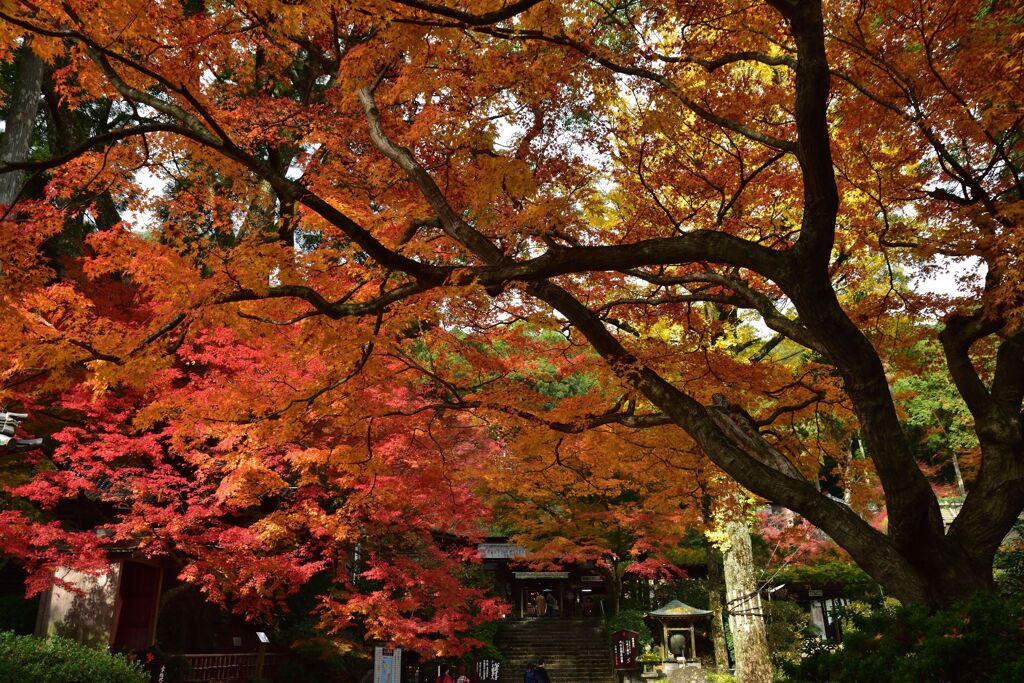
point(23, 105)
point(716, 585)
point(746, 618)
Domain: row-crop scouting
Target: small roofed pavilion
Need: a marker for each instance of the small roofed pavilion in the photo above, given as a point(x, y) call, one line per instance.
point(676, 618)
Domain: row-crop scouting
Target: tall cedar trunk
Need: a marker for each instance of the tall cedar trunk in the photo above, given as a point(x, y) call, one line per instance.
point(23, 105)
point(716, 586)
point(613, 589)
point(746, 619)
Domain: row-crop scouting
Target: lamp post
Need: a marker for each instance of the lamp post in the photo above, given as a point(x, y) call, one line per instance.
point(8, 425)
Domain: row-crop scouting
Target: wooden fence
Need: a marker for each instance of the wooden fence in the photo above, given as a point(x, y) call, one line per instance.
point(230, 668)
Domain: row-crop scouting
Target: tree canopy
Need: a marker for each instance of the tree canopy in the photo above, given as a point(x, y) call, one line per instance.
point(379, 228)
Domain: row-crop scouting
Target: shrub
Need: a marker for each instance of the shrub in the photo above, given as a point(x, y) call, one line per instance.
point(631, 620)
point(980, 639)
point(27, 659)
point(715, 677)
point(786, 625)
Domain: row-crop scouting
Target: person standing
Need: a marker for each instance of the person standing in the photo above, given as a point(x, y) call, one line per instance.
point(540, 674)
point(588, 606)
point(539, 605)
point(444, 676)
point(463, 678)
point(530, 676)
point(549, 598)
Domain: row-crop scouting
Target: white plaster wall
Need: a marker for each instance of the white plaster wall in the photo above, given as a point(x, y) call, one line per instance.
point(87, 617)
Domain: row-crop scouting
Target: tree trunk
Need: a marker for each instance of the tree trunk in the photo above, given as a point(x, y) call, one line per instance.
point(716, 586)
point(746, 619)
point(23, 105)
point(613, 588)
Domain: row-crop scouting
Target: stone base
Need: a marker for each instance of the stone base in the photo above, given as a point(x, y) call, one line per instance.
point(688, 674)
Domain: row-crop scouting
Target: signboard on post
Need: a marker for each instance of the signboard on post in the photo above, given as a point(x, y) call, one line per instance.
point(387, 665)
point(625, 649)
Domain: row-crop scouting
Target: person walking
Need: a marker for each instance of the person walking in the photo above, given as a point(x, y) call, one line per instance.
point(540, 674)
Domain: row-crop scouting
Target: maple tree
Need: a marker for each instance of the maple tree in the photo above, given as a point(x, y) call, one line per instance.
point(354, 188)
point(569, 503)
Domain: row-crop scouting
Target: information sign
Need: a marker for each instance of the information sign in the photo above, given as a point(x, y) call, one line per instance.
point(387, 665)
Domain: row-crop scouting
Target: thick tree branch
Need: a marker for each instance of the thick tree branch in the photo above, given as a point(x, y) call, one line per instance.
point(821, 197)
point(865, 543)
point(759, 302)
point(915, 521)
point(332, 309)
point(101, 140)
point(870, 548)
point(1008, 382)
point(674, 299)
point(468, 18)
point(578, 426)
point(957, 337)
point(451, 222)
point(732, 58)
point(699, 246)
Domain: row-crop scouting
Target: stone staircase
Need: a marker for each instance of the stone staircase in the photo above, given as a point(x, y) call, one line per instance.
point(574, 650)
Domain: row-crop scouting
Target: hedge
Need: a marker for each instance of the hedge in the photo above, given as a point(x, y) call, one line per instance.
point(27, 659)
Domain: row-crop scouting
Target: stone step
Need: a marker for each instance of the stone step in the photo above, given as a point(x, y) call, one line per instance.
point(575, 650)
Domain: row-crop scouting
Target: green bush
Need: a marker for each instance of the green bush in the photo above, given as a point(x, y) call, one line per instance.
point(715, 677)
point(27, 659)
point(631, 620)
point(977, 640)
point(850, 579)
point(786, 625)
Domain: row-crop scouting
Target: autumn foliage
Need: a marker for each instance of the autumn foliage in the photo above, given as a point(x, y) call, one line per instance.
point(291, 285)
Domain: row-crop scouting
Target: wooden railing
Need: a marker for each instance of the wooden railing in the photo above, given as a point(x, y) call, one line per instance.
point(230, 668)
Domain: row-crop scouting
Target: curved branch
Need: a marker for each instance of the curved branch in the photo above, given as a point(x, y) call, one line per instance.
point(869, 547)
point(957, 337)
point(584, 423)
point(451, 222)
point(821, 196)
point(332, 309)
point(468, 18)
point(95, 141)
point(867, 544)
point(192, 127)
point(699, 246)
